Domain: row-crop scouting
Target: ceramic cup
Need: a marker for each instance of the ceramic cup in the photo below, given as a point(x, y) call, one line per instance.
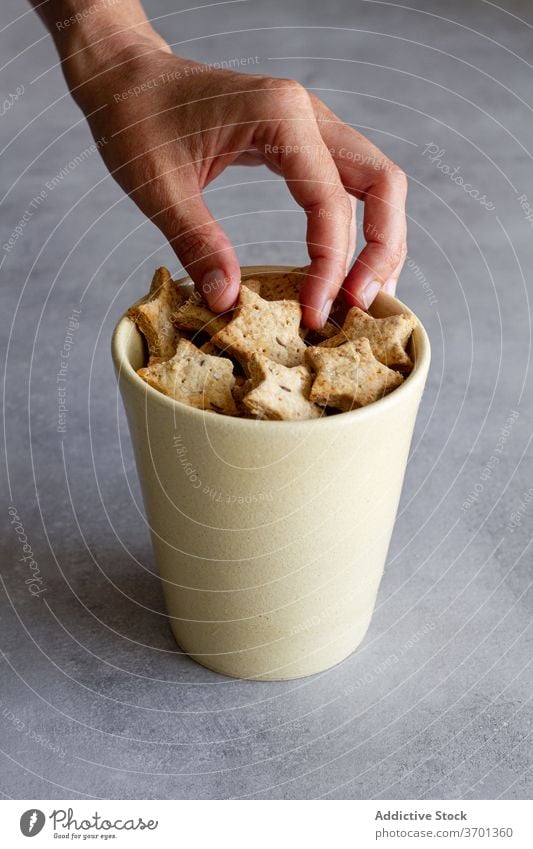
point(270, 537)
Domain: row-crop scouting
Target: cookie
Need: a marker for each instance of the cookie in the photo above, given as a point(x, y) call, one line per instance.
point(252, 361)
point(388, 337)
point(209, 348)
point(328, 331)
point(194, 315)
point(194, 378)
point(241, 387)
point(153, 316)
point(349, 375)
point(263, 327)
point(279, 393)
point(279, 285)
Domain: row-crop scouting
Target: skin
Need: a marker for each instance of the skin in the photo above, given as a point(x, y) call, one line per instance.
point(188, 123)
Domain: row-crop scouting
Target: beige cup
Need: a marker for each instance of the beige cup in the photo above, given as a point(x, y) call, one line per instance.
point(270, 537)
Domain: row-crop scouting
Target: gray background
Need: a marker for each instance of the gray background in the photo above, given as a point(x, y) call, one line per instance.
point(95, 700)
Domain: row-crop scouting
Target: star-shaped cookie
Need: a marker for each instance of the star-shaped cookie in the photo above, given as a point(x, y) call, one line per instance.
point(241, 388)
point(153, 316)
point(194, 314)
point(279, 393)
point(388, 336)
point(263, 327)
point(286, 285)
point(349, 376)
point(194, 378)
point(279, 285)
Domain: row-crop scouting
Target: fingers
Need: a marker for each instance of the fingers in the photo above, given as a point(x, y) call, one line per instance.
point(380, 261)
point(295, 146)
point(254, 157)
point(392, 282)
point(353, 233)
point(367, 173)
point(204, 250)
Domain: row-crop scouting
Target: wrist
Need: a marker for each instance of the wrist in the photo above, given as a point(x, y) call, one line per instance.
point(89, 43)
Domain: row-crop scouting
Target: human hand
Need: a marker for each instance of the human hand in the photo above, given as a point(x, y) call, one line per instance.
point(172, 126)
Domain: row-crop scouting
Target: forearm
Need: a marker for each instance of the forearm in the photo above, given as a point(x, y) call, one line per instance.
point(88, 34)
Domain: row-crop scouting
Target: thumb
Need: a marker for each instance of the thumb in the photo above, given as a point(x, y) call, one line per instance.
point(204, 250)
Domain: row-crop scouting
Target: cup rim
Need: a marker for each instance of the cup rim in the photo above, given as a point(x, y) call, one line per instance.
point(125, 371)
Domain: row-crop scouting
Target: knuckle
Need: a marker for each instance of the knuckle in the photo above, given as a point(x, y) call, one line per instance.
point(344, 205)
point(397, 175)
point(193, 244)
point(395, 254)
point(338, 204)
point(288, 89)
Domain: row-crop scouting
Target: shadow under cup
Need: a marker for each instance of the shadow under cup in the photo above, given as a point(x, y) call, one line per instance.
point(270, 537)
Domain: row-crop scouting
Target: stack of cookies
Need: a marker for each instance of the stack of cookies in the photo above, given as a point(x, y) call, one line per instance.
point(257, 361)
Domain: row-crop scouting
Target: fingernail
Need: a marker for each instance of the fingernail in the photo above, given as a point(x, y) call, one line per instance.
point(214, 286)
point(369, 292)
point(325, 311)
point(390, 286)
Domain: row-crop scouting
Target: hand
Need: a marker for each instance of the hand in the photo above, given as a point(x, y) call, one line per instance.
point(172, 126)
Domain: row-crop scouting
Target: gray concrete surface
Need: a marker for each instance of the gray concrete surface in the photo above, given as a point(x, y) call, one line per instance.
point(95, 699)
